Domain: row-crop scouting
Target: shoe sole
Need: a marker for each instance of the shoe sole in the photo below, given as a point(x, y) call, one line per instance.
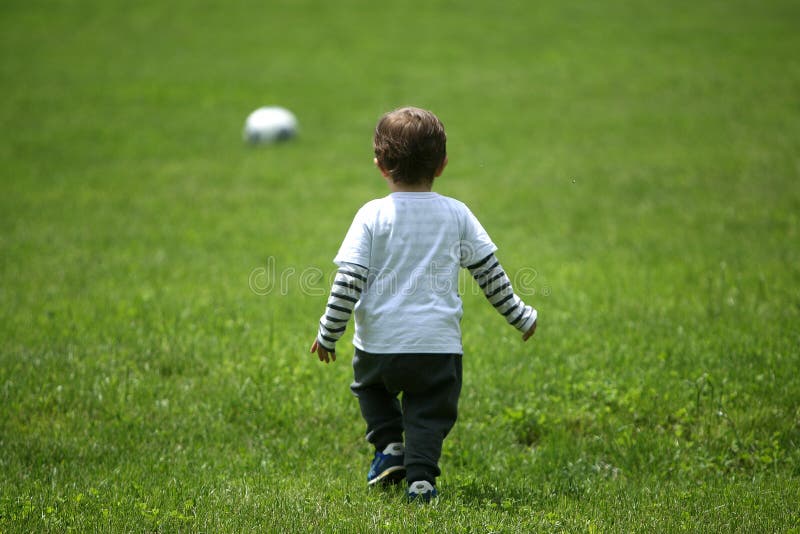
point(392, 474)
point(421, 499)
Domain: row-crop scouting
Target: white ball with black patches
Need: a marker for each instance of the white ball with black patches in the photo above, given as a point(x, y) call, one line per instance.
point(269, 124)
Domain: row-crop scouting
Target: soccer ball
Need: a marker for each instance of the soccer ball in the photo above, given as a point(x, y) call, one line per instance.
point(269, 125)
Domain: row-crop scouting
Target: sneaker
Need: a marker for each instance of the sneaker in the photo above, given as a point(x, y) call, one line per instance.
point(387, 466)
point(421, 491)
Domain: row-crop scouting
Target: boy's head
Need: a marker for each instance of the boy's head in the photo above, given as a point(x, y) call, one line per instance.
point(410, 145)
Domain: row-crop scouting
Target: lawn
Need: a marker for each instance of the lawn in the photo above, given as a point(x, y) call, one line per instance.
point(636, 162)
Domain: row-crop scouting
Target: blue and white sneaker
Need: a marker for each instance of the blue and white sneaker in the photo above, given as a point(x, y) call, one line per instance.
point(421, 491)
point(387, 466)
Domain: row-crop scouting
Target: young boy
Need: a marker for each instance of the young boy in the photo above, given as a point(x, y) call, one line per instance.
point(398, 270)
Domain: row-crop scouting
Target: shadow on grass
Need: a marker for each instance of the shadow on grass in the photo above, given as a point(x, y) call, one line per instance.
point(476, 492)
point(510, 495)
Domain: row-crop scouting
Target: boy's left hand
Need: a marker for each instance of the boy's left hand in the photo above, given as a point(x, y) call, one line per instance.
point(530, 332)
point(322, 352)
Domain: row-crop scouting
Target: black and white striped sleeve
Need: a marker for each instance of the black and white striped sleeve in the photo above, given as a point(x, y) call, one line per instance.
point(345, 292)
point(495, 284)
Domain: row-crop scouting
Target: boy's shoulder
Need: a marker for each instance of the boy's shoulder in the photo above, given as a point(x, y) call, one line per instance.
point(455, 202)
point(389, 200)
point(371, 207)
point(382, 206)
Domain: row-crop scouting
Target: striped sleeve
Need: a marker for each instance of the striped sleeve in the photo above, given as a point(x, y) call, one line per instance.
point(495, 284)
point(345, 292)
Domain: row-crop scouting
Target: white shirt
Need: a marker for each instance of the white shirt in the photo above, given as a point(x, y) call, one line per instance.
point(413, 245)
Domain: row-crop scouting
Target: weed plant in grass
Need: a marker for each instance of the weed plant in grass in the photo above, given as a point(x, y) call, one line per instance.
point(636, 163)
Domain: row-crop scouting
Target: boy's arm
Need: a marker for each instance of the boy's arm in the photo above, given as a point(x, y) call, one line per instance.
point(497, 287)
point(345, 292)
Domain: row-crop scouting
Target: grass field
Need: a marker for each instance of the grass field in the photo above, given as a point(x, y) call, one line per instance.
point(636, 162)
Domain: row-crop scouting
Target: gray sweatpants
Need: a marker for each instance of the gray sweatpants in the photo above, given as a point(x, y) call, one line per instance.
point(430, 385)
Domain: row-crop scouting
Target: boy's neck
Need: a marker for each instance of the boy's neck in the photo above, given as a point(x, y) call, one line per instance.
point(409, 188)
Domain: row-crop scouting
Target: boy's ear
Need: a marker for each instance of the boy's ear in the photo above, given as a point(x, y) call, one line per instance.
point(440, 170)
point(380, 168)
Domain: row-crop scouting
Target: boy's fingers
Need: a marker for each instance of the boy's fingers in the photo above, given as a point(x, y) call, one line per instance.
point(529, 333)
point(323, 354)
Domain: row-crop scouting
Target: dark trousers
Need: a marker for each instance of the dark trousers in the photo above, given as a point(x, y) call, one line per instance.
point(430, 385)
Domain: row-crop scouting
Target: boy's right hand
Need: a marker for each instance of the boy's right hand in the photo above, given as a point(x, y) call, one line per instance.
point(530, 331)
point(322, 352)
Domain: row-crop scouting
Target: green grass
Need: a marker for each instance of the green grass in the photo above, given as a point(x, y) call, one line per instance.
point(641, 158)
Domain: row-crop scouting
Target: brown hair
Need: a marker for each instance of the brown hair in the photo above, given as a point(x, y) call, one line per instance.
point(410, 145)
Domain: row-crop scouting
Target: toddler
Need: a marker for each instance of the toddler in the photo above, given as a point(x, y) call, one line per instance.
point(398, 274)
